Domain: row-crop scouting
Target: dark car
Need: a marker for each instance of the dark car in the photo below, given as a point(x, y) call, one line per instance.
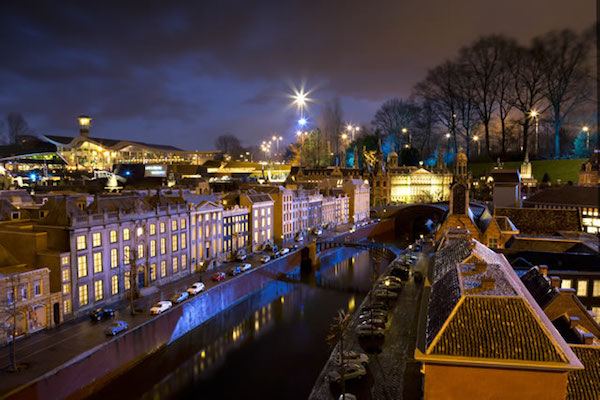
point(115, 328)
point(219, 276)
point(235, 271)
point(101, 313)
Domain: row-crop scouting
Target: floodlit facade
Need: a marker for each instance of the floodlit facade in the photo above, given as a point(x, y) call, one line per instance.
point(207, 241)
point(235, 230)
point(261, 218)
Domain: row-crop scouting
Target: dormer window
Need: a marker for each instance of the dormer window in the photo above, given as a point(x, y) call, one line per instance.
point(42, 213)
point(16, 215)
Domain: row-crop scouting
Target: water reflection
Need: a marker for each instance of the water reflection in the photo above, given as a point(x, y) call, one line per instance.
point(272, 344)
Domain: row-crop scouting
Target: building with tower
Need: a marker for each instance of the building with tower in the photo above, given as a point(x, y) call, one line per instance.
point(588, 174)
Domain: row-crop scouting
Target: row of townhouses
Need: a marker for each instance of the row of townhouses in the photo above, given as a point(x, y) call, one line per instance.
point(63, 255)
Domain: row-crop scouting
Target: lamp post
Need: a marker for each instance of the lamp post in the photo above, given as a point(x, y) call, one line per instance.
point(277, 139)
point(301, 135)
point(344, 144)
point(448, 136)
point(405, 131)
point(534, 114)
point(476, 139)
point(587, 139)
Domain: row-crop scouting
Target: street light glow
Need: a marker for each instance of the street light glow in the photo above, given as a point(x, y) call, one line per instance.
point(302, 121)
point(475, 138)
point(533, 113)
point(585, 129)
point(344, 136)
point(448, 136)
point(404, 130)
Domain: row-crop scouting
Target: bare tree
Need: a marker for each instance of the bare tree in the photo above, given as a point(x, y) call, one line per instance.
point(16, 126)
point(331, 123)
point(505, 90)
point(466, 101)
point(394, 115)
point(11, 286)
point(529, 87)
point(229, 144)
point(565, 72)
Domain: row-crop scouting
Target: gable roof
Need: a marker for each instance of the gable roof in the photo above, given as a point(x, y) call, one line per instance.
point(541, 221)
point(539, 287)
point(585, 384)
point(567, 195)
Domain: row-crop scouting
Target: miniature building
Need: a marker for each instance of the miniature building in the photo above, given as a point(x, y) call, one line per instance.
point(588, 174)
point(506, 188)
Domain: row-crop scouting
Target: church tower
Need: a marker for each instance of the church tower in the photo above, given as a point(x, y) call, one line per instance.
point(381, 186)
point(459, 192)
point(392, 160)
point(526, 171)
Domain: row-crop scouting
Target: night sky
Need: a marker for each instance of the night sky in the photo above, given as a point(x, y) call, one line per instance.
point(184, 75)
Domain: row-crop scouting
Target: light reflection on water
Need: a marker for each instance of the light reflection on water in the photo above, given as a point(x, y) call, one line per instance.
point(270, 346)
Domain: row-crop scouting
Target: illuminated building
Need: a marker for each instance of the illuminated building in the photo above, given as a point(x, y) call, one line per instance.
point(88, 153)
point(261, 218)
point(235, 229)
point(394, 184)
point(207, 239)
point(588, 174)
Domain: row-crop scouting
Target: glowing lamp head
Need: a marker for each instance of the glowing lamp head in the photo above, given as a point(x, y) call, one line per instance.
point(349, 127)
point(302, 121)
point(344, 136)
point(84, 120)
point(533, 113)
point(475, 138)
point(448, 136)
point(585, 129)
point(387, 282)
point(404, 130)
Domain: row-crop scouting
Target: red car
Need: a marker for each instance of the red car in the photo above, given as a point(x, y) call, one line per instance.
point(219, 276)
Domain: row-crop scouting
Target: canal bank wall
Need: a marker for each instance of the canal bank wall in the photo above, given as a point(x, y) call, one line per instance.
point(92, 369)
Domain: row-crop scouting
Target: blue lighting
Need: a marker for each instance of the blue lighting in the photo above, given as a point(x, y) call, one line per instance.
point(127, 173)
point(33, 177)
point(302, 121)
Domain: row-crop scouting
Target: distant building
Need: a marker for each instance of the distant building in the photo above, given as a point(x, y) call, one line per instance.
point(87, 153)
point(584, 199)
point(506, 188)
point(207, 238)
point(526, 172)
point(588, 174)
point(236, 230)
point(261, 218)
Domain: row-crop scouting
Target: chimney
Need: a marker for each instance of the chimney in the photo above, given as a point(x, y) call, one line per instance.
point(573, 322)
point(543, 270)
point(588, 338)
point(488, 283)
point(555, 281)
point(480, 266)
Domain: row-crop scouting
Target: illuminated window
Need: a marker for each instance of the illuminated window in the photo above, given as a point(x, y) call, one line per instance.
point(114, 258)
point(66, 275)
point(163, 269)
point(183, 261)
point(582, 287)
point(113, 236)
point(97, 262)
point(183, 241)
point(126, 234)
point(174, 243)
point(67, 306)
point(596, 288)
point(262, 212)
point(493, 243)
point(66, 288)
point(200, 218)
point(127, 280)
point(255, 224)
point(82, 266)
point(182, 223)
point(175, 264)
point(96, 239)
point(174, 225)
point(256, 237)
point(193, 234)
point(153, 272)
point(64, 260)
point(81, 243)
point(207, 231)
point(126, 255)
point(565, 284)
point(163, 245)
point(152, 248)
point(162, 227)
point(153, 229)
point(83, 295)
point(215, 229)
point(99, 290)
point(114, 284)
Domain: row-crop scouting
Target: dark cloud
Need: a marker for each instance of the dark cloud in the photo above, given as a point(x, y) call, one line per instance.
point(218, 66)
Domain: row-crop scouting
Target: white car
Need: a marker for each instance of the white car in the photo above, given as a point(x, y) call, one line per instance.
point(284, 251)
point(351, 371)
point(352, 357)
point(265, 259)
point(161, 307)
point(245, 267)
point(299, 238)
point(240, 257)
point(196, 288)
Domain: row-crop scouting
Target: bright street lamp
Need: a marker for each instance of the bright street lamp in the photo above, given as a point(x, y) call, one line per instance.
point(587, 133)
point(405, 131)
point(476, 139)
point(302, 121)
point(536, 115)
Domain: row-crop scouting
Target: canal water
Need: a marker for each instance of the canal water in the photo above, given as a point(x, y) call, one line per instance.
point(270, 346)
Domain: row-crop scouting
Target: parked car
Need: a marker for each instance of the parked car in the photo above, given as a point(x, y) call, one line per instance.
point(284, 251)
point(101, 313)
point(245, 267)
point(347, 396)
point(385, 294)
point(352, 230)
point(219, 276)
point(240, 255)
point(377, 305)
point(401, 272)
point(391, 278)
point(351, 371)
point(378, 323)
point(275, 255)
point(389, 285)
point(318, 232)
point(299, 238)
point(293, 247)
point(195, 288)
point(115, 328)
point(161, 307)
point(265, 259)
point(234, 271)
point(364, 331)
point(180, 297)
point(353, 357)
point(373, 314)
